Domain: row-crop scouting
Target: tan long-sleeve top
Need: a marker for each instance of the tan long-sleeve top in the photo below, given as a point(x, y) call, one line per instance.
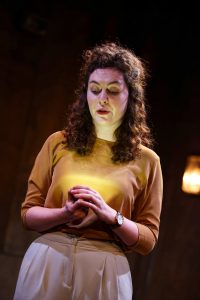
point(133, 188)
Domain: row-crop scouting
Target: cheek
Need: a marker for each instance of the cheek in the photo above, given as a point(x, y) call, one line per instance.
point(88, 96)
point(89, 99)
point(90, 103)
point(121, 105)
point(125, 101)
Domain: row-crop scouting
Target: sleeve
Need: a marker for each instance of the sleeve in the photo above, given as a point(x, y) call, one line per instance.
point(147, 211)
point(40, 178)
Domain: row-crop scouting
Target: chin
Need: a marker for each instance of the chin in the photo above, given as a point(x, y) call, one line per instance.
point(102, 120)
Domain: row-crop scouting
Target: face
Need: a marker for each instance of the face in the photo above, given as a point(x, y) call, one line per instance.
point(107, 96)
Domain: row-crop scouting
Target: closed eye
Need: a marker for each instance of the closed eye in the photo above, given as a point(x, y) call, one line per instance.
point(96, 92)
point(113, 92)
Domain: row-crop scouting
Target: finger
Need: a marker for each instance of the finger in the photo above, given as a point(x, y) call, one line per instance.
point(80, 190)
point(77, 204)
point(89, 205)
point(70, 197)
point(84, 191)
point(81, 204)
point(80, 187)
point(89, 197)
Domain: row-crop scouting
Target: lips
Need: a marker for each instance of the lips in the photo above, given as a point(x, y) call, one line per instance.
point(102, 111)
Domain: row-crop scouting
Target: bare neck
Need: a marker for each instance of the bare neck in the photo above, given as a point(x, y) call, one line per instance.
point(106, 132)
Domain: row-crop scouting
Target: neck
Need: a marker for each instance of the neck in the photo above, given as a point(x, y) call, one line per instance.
point(106, 132)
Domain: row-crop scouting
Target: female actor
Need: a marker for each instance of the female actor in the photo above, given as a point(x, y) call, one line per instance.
point(95, 190)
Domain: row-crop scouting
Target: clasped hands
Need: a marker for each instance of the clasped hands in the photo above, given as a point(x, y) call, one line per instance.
point(80, 199)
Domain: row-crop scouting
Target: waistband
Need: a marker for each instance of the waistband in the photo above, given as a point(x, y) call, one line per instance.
point(80, 242)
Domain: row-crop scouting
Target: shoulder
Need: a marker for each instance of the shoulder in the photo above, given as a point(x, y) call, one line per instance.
point(56, 138)
point(149, 154)
point(54, 142)
point(58, 135)
point(150, 162)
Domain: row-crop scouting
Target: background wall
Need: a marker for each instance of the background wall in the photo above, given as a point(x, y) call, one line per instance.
point(40, 54)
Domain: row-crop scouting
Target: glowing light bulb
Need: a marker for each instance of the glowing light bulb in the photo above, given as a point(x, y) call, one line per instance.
point(191, 176)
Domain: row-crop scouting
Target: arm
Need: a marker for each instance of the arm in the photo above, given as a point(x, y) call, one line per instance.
point(128, 232)
point(38, 183)
point(34, 215)
point(139, 234)
point(147, 210)
point(42, 218)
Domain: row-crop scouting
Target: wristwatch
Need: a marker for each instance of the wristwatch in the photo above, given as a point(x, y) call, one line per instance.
point(119, 219)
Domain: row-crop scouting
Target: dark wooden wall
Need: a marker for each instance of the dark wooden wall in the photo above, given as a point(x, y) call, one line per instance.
point(38, 74)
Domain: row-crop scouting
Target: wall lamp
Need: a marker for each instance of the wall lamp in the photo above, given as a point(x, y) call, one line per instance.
point(191, 176)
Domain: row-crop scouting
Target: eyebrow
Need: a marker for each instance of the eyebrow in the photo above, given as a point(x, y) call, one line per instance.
point(112, 82)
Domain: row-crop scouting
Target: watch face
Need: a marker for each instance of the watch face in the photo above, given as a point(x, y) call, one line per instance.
point(120, 219)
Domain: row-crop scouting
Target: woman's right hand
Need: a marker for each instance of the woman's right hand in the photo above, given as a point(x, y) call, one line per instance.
point(75, 213)
point(40, 218)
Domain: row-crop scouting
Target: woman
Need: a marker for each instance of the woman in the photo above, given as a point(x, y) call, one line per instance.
point(95, 190)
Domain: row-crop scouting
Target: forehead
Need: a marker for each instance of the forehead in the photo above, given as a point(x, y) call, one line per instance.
point(107, 75)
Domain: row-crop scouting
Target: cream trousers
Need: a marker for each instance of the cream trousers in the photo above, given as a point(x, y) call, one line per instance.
point(59, 266)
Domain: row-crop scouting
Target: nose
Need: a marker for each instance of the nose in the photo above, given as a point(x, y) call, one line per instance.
point(103, 97)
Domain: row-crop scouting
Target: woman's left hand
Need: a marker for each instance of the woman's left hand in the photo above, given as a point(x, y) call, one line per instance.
point(88, 197)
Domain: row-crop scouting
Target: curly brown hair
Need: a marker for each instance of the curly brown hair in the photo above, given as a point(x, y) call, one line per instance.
point(133, 131)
